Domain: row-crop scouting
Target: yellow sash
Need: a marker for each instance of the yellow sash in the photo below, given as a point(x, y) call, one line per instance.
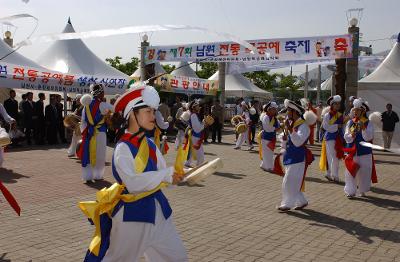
point(93, 142)
point(108, 198)
point(259, 144)
point(323, 165)
point(157, 137)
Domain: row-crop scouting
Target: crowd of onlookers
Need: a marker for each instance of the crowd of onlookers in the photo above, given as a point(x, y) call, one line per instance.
point(39, 123)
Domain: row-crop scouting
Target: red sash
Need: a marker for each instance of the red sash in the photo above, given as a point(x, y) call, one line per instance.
point(353, 167)
point(271, 144)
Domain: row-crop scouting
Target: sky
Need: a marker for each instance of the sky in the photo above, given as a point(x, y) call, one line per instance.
point(250, 19)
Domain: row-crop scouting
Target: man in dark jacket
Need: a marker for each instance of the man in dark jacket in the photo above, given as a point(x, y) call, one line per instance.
point(40, 129)
point(11, 106)
point(60, 119)
point(51, 117)
point(389, 119)
point(29, 116)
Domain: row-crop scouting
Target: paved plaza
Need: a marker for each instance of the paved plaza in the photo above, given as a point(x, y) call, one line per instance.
point(232, 216)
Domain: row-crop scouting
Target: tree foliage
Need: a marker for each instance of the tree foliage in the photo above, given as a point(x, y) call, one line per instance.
point(127, 68)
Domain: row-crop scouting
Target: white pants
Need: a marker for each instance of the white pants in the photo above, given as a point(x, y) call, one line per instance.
point(333, 161)
point(199, 153)
point(243, 137)
point(179, 138)
point(72, 146)
point(129, 241)
point(291, 193)
point(362, 181)
point(267, 155)
point(1, 156)
point(97, 172)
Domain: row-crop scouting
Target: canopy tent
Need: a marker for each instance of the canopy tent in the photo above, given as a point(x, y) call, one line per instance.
point(159, 70)
point(237, 85)
point(13, 58)
point(74, 57)
point(184, 69)
point(383, 86)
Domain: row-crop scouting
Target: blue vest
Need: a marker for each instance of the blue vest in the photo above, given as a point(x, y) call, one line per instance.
point(339, 132)
point(143, 210)
point(294, 154)
point(361, 150)
point(270, 135)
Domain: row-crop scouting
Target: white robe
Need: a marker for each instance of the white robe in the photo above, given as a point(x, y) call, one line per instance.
point(131, 240)
point(96, 172)
point(8, 119)
point(244, 137)
point(291, 185)
point(197, 127)
point(333, 161)
point(267, 154)
point(362, 181)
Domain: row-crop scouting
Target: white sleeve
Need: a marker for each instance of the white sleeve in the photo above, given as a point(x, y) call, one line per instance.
point(247, 117)
point(347, 134)
point(300, 137)
point(83, 119)
point(160, 121)
point(104, 107)
point(265, 121)
point(4, 114)
point(327, 126)
point(368, 133)
point(136, 183)
point(196, 124)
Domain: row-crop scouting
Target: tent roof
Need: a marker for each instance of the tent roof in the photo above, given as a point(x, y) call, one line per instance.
point(388, 71)
point(239, 85)
point(184, 69)
point(14, 57)
point(327, 84)
point(74, 57)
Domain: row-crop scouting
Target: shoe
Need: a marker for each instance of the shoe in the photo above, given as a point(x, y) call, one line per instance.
point(87, 182)
point(71, 155)
point(283, 208)
point(349, 196)
point(236, 147)
point(98, 179)
point(301, 207)
point(336, 180)
point(362, 194)
point(329, 178)
point(251, 147)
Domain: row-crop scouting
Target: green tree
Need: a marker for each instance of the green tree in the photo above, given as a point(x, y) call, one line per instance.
point(263, 79)
point(290, 83)
point(169, 68)
point(127, 68)
point(207, 69)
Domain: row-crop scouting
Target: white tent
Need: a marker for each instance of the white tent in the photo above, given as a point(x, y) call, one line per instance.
point(383, 86)
point(237, 85)
point(159, 70)
point(13, 58)
point(73, 56)
point(184, 69)
point(327, 84)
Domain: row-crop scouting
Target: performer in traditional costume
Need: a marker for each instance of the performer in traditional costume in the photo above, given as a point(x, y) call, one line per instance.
point(75, 136)
point(195, 135)
point(93, 128)
point(267, 137)
point(138, 222)
point(297, 157)
point(245, 136)
point(332, 143)
point(9, 120)
point(360, 166)
point(158, 134)
point(181, 123)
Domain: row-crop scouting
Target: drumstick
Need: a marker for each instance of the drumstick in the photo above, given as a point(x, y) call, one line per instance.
point(195, 168)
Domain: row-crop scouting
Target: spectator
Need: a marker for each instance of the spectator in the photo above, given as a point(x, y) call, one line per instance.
point(217, 112)
point(11, 106)
point(254, 120)
point(60, 119)
point(205, 110)
point(40, 128)
point(319, 120)
point(29, 116)
point(389, 119)
point(51, 117)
